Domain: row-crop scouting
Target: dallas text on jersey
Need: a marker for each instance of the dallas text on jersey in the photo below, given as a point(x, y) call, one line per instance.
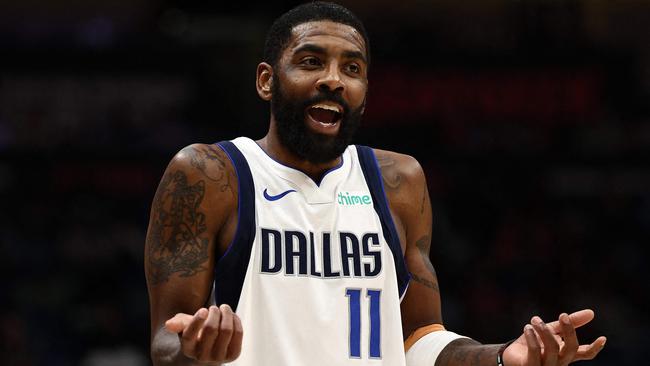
point(360, 256)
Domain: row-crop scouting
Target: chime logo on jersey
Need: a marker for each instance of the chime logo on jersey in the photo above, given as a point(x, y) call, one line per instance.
point(316, 255)
point(353, 198)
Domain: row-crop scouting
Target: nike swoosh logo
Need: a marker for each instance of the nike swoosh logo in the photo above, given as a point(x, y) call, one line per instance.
point(277, 196)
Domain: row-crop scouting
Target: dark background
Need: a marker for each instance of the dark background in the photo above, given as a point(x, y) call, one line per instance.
point(530, 118)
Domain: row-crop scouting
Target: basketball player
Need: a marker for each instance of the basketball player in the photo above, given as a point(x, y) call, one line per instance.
point(300, 249)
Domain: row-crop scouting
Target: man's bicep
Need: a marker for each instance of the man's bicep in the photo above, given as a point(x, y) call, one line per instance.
point(186, 215)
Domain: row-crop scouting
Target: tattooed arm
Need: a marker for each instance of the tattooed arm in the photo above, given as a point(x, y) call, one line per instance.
point(410, 207)
point(551, 344)
point(193, 216)
point(407, 192)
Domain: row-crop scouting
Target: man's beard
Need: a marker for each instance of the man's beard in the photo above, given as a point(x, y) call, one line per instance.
point(296, 136)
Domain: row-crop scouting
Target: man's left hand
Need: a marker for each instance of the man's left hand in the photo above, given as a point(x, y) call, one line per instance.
point(553, 344)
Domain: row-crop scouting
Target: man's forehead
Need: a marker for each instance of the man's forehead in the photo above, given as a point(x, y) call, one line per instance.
point(309, 31)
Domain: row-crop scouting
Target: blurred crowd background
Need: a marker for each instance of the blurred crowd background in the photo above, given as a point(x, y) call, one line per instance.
point(531, 119)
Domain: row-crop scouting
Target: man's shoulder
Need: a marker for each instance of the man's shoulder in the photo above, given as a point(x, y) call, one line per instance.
point(207, 163)
point(404, 184)
point(202, 157)
point(399, 169)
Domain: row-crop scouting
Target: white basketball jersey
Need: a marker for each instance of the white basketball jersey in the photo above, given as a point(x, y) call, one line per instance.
point(315, 270)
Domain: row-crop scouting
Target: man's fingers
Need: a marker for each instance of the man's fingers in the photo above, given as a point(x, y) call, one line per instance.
point(190, 334)
point(578, 319)
point(213, 334)
point(209, 333)
point(551, 347)
point(568, 333)
point(588, 352)
point(534, 349)
point(583, 352)
point(234, 348)
point(226, 329)
point(178, 322)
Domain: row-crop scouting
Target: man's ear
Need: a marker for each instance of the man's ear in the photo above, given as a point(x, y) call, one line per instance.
point(264, 81)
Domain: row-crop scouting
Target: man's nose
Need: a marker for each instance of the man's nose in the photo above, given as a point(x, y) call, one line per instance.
point(331, 79)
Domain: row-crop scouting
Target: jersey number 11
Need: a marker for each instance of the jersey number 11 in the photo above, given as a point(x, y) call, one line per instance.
point(354, 302)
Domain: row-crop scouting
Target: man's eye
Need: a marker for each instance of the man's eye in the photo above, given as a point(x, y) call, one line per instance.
point(311, 61)
point(354, 68)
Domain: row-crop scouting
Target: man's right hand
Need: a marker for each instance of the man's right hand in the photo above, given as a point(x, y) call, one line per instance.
point(210, 335)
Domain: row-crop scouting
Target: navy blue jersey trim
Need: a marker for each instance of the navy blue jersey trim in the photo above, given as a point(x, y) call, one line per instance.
point(372, 173)
point(230, 270)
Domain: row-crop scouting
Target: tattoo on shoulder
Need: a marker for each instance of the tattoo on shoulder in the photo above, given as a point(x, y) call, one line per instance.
point(211, 161)
point(389, 173)
point(176, 242)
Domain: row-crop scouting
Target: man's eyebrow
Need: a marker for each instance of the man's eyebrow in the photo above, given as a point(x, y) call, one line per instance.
point(310, 47)
point(355, 54)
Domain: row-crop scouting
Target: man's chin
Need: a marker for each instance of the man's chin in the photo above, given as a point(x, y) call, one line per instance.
point(320, 155)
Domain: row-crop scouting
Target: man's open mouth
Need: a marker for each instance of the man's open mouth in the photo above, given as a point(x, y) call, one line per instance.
point(325, 113)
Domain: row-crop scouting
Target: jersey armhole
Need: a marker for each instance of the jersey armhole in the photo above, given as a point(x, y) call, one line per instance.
point(373, 177)
point(230, 269)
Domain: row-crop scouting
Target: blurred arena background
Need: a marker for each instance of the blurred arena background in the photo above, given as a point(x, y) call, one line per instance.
point(530, 117)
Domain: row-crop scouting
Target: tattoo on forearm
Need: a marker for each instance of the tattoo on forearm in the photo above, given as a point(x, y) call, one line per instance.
point(219, 173)
point(389, 173)
point(467, 352)
point(176, 242)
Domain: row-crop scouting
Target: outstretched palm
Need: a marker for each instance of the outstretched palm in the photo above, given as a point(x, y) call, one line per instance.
point(553, 344)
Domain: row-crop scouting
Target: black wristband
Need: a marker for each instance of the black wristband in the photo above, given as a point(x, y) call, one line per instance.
point(500, 353)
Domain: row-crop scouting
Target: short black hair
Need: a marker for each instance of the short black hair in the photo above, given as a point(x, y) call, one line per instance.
point(280, 32)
